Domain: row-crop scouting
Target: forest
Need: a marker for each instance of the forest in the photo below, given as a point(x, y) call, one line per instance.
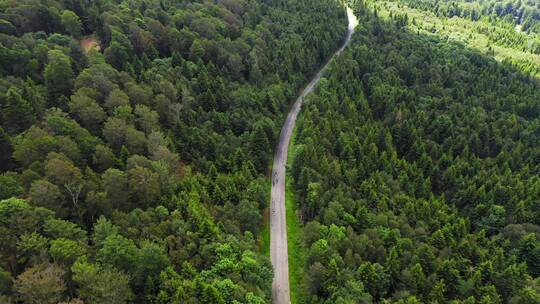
point(513, 24)
point(136, 139)
point(519, 12)
point(416, 170)
point(135, 136)
point(501, 37)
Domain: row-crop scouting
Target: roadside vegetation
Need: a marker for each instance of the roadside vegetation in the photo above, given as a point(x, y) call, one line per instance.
point(135, 138)
point(296, 247)
point(416, 172)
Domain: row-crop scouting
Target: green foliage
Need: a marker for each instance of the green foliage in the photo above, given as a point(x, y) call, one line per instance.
point(523, 13)
point(6, 281)
point(297, 250)
point(6, 150)
point(141, 148)
point(118, 252)
point(99, 285)
point(48, 195)
point(17, 112)
point(72, 23)
point(9, 185)
point(41, 284)
point(260, 148)
point(478, 25)
point(65, 251)
point(415, 172)
point(10, 207)
point(56, 228)
point(58, 75)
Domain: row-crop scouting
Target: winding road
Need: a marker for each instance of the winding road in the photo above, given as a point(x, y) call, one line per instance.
point(278, 225)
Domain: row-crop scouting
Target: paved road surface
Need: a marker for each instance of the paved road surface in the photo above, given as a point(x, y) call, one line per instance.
point(278, 224)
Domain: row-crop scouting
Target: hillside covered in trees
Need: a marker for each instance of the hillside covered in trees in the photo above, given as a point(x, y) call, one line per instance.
point(134, 139)
point(525, 13)
point(471, 23)
point(513, 24)
point(416, 168)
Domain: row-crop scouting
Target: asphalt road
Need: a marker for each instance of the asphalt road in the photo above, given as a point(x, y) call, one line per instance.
point(278, 224)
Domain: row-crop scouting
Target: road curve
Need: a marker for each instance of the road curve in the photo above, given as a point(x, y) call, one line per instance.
point(278, 225)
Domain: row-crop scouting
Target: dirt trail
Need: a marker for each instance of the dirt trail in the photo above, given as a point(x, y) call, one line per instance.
point(278, 224)
point(90, 42)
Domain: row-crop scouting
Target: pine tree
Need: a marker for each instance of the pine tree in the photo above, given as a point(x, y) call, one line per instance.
point(6, 151)
point(260, 148)
point(58, 74)
point(17, 112)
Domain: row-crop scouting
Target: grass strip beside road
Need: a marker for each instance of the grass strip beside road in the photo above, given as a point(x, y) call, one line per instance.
point(264, 237)
point(296, 249)
point(264, 243)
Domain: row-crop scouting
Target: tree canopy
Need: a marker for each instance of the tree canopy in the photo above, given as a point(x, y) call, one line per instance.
point(416, 173)
point(134, 141)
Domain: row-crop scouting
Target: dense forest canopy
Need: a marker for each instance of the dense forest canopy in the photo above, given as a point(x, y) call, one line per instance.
point(416, 167)
point(134, 138)
point(496, 36)
point(523, 12)
point(500, 26)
